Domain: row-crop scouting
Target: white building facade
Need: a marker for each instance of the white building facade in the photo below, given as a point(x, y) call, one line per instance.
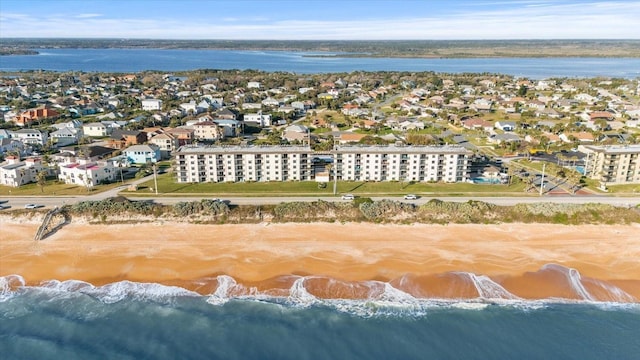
point(15, 172)
point(403, 163)
point(151, 104)
point(296, 163)
point(87, 173)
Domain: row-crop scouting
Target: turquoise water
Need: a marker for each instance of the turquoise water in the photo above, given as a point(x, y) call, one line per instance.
point(133, 60)
point(150, 321)
point(482, 180)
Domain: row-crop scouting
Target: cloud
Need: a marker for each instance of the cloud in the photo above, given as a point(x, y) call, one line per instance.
point(87, 16)
point(545, 20)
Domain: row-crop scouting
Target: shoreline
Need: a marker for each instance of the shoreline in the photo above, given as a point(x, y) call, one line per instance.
point(530, 261)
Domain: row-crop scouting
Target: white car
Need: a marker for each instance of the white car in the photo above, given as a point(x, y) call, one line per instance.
point(32, 206)
point(410, 197)
point(348, 197)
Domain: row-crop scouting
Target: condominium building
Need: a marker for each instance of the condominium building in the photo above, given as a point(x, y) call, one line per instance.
point(403, 163)
point(243, 163)
point(613, 164)
point(357, 163)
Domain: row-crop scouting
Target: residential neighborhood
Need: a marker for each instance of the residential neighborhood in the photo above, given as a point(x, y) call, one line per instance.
point(227, 126)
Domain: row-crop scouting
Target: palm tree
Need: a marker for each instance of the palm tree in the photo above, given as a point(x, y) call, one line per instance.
point(42, 179)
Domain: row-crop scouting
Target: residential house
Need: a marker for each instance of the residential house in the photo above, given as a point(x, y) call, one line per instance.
point(121, 139)
point(95, 129)
point(10, 145)
point(142, 154)
point(226, 114)
point(296, 133)
point(270, 102)
point(185, 136)
point(66, 136)
point(31, 136)
point(505, 125)
point(477, 124)
point(258, 120)
point(166, 142)
point(31, 116)
point(230, 128)
point(14, 172)
point(207, 130)
point(190, 108)
point(504, 138)
point(151, 104)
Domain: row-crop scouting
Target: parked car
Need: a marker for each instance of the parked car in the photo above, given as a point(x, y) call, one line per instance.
point(410, 197)
point(33, 206)
point(348, 197)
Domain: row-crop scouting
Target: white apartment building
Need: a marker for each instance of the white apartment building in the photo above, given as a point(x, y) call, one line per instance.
point(14, 172)
point(402, 163)
point(283, 163)
point(87, 173)
point(612, 164)
point(243, 163)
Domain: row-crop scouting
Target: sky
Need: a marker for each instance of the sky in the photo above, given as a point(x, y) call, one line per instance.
point(321, 19)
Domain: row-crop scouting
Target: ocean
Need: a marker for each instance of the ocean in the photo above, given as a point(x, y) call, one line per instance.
point(127, 320)
point(135, 60)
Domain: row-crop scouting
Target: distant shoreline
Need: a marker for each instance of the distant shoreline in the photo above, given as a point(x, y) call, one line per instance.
point(437, 49)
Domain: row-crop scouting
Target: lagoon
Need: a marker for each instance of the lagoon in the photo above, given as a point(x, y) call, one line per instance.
point(136, 60)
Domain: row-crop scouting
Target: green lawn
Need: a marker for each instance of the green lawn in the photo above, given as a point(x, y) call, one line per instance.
point(52, 188)
point(629, 189)
point(168, 186)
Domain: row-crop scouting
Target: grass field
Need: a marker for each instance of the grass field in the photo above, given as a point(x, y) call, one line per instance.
point(168, 186)
point(53, 188)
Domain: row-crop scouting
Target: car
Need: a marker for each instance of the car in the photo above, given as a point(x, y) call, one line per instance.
point(348, 197)
point(410, 197)
point(2, 207)
point(33, 206)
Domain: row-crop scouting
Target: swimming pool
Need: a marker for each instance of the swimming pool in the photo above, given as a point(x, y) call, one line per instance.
point(483, 180)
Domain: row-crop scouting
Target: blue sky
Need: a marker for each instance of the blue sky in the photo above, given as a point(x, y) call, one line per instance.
point(321, 19)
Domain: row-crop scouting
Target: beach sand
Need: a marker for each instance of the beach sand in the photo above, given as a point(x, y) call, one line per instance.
point(338, 260)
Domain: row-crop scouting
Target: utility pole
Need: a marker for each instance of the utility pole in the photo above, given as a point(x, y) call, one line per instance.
point(155, 178)
point(335, 167)
point(542, 179)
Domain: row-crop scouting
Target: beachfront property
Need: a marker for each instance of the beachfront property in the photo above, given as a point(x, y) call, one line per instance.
point(86, 172)
point(14, 172)
point(196, 164)
point(403, 163)
point(612, 164)
point(356, 163)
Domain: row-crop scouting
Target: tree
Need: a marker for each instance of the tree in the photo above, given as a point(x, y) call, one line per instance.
point(522, 91)
point(42, 179)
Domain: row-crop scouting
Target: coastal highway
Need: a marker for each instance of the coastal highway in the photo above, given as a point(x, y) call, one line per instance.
point(49, 202)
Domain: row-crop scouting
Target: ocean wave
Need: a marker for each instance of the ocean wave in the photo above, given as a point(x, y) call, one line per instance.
point(364, 298)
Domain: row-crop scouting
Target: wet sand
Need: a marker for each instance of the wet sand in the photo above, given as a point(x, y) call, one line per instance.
point(433, 261)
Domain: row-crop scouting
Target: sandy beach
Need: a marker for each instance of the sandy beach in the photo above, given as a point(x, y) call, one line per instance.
point(338, 260)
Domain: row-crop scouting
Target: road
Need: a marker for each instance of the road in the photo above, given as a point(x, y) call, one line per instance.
point(49, 202)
